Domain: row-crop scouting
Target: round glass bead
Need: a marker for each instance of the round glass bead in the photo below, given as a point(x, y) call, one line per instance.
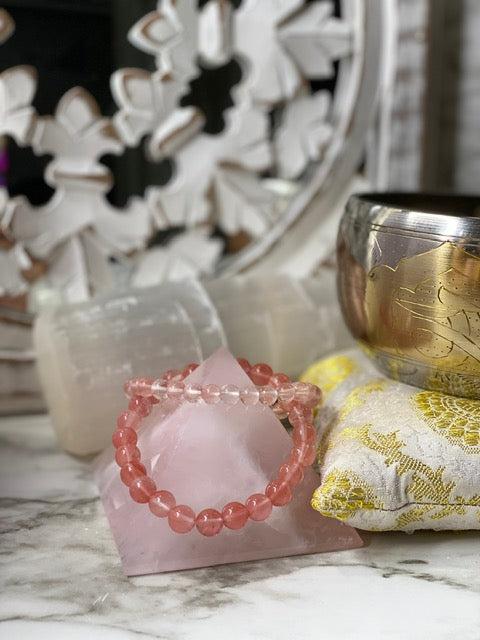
point(246, 366)
point(189, 369)
point(211, 394)
point(308, 394)
point(143, 387)
point(260, 374)
point(142, 488)
point(268, 395)
point(230, 394)
point(181, 518)
point(193, 392)
point(159, 389)
point(279, 492)
point(304, 454)
point(129, 388)
point(235, 515)
point(286, 392)
point(142, 406)
point(130, 471)
point(128, 419)
point(127, 453)
point(259, 507)
point(278, 379)
point(124, 436)
point(249, 396)
point(161, 502)
point(304, 434)
point(172, 374)
point(291, 472)
point(209, 522)
point(175, 389)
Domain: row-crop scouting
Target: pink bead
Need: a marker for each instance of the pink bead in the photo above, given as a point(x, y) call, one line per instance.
point(143, 387)
point(209, 522)
point(142, 488)
point(246, 366)
point(259, 507)
point(172, 374)
point(300, 415)
point(308, 394)
point(127, 453)
point(268, 395)
point(230, 394)
point(304, 454)
point(124, 436)
point(261, 373)
point(128, 388)
point(130, 471)
point(304, 434)
point(211, 394)
point(159, 389)
point(189, 369)
point(128, 419)
point(142, 406)
point(291, 472)
point(193, 392)
point(181, 518)
point(249, 397)
point(279, 492)
point(278, 379)
point(161, 502)
point(286, 392)
point(280, 412)
point(235, 515)
point(175, 389)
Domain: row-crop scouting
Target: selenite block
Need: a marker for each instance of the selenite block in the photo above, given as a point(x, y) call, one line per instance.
point(86, 352)
point(208, 456)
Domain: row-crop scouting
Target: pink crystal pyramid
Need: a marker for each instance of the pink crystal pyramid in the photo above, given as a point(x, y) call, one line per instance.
point(208, 456)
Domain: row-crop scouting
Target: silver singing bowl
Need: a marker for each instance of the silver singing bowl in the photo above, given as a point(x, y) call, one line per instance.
point(409, 286)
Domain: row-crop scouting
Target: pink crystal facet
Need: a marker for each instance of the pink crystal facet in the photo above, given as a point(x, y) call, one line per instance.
point(210, 456)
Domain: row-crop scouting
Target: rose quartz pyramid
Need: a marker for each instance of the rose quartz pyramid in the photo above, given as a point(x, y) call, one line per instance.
point(208, 456)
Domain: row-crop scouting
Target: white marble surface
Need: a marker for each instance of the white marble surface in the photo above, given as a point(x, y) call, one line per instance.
point(60, 576)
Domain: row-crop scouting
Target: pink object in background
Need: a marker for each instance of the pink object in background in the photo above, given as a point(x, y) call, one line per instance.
point(208, 456)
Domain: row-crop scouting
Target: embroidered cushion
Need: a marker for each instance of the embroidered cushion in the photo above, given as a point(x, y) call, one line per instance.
point(392, 456)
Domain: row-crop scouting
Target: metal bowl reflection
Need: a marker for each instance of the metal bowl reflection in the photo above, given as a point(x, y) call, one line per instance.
point(409, 286)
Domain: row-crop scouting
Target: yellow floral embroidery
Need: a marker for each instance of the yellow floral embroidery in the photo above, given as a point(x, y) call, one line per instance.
point(457, 419)
point(429, 492)
point(329, 373)
point(357, 397)
point(415, 514)
point(342, 494)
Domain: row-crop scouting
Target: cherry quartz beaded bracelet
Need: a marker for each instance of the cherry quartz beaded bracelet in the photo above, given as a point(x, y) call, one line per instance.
point(293, 400)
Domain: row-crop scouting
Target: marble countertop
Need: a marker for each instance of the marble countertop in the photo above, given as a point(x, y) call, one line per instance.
point(60, 576)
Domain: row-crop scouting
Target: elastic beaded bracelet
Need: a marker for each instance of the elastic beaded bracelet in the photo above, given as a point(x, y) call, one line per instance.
point(293, 400)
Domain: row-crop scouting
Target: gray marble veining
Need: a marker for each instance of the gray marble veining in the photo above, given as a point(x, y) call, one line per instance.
point(61, 578)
